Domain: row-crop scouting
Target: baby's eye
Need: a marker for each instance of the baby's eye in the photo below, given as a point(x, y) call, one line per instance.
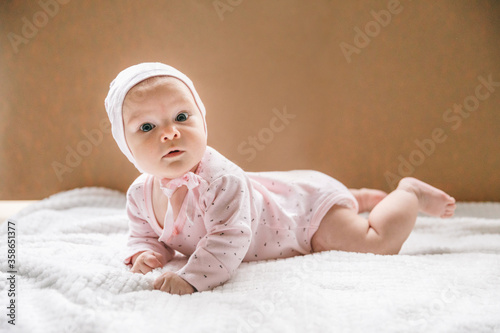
point(183, 116)
point(147, 127)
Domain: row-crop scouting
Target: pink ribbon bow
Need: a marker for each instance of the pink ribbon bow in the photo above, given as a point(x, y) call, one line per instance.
point(190, 180)
point(168, 187)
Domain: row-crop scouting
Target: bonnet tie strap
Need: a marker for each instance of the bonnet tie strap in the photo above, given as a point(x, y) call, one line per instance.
point(168, 187)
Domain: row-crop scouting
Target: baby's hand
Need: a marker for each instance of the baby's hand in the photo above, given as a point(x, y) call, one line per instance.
point(173, 284)
point(146, 261)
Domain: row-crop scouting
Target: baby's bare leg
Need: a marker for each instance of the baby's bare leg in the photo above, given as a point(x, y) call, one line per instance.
point(367, 198)
point(388, 225)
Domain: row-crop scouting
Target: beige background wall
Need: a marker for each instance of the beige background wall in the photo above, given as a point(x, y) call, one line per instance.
point(358, 93)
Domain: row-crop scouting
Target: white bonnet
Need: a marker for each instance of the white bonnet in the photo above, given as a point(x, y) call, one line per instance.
point(128, 78)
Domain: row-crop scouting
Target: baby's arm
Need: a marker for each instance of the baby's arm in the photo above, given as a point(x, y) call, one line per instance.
point(228, 224)
point(145, 252)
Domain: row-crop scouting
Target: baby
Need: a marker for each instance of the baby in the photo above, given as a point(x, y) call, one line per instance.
point(191, 199)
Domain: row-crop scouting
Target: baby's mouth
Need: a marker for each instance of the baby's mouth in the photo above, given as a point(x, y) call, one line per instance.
point(173, 153)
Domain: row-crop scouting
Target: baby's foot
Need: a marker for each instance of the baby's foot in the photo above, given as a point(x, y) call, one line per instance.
point(431, 200)
point(367, 198)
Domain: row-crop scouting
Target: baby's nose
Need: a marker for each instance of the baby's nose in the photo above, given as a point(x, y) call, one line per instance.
point(170, 133)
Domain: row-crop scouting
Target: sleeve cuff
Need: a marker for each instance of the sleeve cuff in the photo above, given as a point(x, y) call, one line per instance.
point(203, 271)
point(166, 252)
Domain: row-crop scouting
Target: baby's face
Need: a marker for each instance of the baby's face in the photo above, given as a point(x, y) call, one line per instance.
point(164, 128)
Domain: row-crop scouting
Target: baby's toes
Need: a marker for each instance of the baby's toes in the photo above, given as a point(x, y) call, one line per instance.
point(449, 210)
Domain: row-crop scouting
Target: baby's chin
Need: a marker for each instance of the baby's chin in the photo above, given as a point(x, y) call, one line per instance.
point(170, 174)
point(167, 175)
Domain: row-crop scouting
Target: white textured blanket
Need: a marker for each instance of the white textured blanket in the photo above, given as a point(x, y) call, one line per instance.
point(70, 278)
